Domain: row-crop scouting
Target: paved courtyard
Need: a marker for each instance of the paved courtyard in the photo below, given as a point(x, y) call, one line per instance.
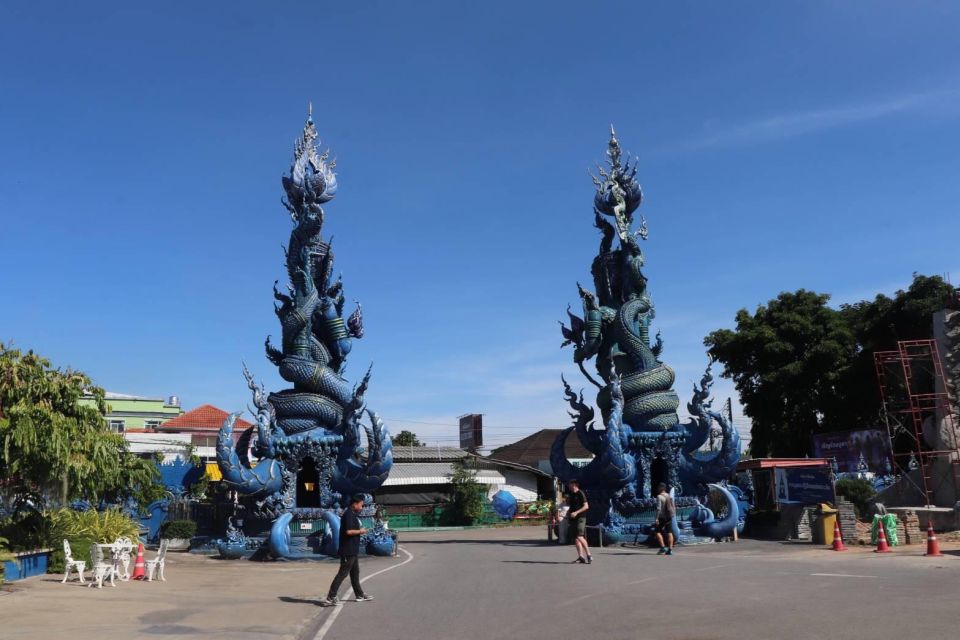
point(510, 584)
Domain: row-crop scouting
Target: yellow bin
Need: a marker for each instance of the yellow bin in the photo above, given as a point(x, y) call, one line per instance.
point(828, 519)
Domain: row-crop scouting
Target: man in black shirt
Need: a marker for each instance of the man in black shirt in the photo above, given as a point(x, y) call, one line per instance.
point(350, 532)
point(579, 506)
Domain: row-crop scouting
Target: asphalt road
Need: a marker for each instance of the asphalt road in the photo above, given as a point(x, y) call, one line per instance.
point(511, 584)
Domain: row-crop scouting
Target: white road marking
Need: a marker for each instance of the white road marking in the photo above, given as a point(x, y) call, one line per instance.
point(841, 575)
point(716, 566)
point(336, 610)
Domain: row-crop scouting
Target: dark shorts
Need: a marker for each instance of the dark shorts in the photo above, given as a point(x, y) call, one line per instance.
point(663, 526)
point(578, 527)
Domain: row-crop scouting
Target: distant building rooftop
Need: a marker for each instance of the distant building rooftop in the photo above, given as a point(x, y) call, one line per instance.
point(422, 473)
point(111, 395)
point(535, 448)
point(404, 453)
point(206, 417)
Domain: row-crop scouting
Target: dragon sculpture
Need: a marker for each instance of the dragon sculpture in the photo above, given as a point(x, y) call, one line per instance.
point(314, 426)
point(643, 442)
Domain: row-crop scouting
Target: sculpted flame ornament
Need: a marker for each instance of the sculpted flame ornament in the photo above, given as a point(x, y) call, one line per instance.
point(644, 442)
point(308, 437)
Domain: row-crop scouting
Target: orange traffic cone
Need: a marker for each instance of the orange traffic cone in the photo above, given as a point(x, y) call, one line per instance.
point(933, 547)
point(882, 546)
point(837, 538)
point(140, 567)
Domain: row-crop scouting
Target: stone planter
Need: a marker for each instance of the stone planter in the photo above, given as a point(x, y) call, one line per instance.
point(27, 564)
point(178, 544)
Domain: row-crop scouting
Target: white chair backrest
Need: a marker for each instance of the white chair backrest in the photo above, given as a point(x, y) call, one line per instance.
point(162, 553)
point(67, 553)
point(96, 554)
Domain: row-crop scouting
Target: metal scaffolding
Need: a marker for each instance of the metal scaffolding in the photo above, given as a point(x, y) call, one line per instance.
point(915, 398)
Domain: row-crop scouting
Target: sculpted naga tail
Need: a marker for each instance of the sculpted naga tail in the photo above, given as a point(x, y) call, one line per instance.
point(309, 444)
point(644, 442)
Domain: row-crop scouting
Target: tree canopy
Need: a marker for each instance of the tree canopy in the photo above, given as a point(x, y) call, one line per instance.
point(55, 448)
point(406, 439)
point(802, 367)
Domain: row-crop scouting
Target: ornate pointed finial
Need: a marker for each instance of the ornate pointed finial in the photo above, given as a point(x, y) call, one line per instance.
point(310, 111)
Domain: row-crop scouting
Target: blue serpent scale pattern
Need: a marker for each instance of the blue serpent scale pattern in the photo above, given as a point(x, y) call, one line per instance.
point(314, 427)
point(644, 441)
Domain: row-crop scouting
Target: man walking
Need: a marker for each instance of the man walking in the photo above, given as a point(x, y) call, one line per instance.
point(350, 532)
point(666, 511)
point(579, 506)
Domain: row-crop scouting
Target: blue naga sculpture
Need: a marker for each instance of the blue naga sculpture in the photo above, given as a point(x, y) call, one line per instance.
point(308, 441)
point(644, 442)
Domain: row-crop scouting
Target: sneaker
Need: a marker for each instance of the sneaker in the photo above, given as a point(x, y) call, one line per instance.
point(329, 602)
point(579, 560)
point(365, 598)
point(669, 552)
point(662, 551)
point(589, 559)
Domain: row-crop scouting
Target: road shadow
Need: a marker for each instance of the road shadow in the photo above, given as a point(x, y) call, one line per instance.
point(295, 600)
point(538, 562)
point(501, 543)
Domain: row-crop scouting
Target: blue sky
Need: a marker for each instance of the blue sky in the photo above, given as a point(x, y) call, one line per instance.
point(781, 145)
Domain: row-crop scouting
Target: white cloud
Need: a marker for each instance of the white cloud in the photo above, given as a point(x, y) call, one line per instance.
point(787, 125)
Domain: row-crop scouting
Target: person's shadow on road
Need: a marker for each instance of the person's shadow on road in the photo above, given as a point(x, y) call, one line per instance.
point(293, 600)
point(536, 561)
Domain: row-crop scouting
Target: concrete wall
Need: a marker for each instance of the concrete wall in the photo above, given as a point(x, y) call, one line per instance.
point(522, 484)
point(946, 331)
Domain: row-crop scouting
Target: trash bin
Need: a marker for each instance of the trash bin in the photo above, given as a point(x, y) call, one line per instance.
point(827, 521)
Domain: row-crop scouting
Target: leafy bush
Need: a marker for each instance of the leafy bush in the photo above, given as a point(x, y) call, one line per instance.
point(858, 491)
point(98, 526)
point(25, 530)
point(178, 529)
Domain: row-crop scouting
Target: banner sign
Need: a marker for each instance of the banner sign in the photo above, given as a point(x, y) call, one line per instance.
point(806, 486)
point(848, 446)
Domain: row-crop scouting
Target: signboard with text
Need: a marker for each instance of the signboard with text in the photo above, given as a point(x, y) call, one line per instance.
point(806, 486)
point(848, 446)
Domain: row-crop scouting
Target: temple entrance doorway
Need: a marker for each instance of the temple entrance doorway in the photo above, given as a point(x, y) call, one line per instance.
point(659, 472)
point(308, 485)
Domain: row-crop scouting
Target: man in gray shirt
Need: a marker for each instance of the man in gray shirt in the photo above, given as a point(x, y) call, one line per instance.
point(666, 511)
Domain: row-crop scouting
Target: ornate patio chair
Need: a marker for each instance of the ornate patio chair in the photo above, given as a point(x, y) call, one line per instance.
point(102, 568)
point(158, 561)
point(122, 549)
point(70, 563)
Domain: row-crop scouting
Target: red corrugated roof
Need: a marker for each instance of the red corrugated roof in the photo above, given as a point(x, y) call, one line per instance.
point(204, 418)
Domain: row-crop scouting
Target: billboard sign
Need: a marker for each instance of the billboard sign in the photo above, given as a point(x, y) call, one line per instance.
point(471, 431)
point(848, 446)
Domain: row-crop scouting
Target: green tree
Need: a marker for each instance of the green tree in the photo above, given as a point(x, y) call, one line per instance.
point(878, 325)
point(786, 360)
point(465, 496)
point(55, 449)
point(406, 439)
point(802, 367)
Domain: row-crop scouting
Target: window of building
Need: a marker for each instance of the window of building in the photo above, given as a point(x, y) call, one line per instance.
point(116, 425)
point(151, 424)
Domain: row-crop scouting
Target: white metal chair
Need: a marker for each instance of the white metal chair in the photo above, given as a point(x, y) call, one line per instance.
point(101, 568)
point(122, 550)
point(70, 563)
point(158, 562)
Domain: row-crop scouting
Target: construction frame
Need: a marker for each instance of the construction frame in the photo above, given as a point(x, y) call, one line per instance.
point(917, 411)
